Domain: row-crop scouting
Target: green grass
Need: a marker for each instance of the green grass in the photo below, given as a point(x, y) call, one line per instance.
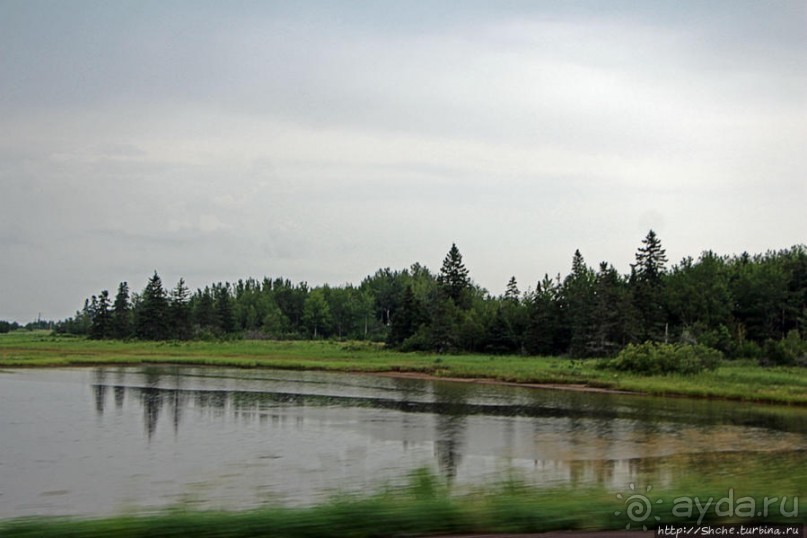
point(427, 506)
point(737, 380)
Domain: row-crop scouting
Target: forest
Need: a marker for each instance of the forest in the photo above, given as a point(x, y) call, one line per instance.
point(750, 306)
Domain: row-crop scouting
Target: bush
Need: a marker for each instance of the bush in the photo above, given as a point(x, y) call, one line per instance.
point(747, 349)
point(785, 352)
point(651, 358)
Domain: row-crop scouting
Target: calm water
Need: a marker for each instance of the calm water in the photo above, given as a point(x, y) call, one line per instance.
point(104, 440)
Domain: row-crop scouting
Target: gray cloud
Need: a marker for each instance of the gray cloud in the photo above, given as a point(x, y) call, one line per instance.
point(321, 140)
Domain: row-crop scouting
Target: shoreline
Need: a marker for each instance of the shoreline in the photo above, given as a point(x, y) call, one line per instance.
point(740, 381)
point(572, 387)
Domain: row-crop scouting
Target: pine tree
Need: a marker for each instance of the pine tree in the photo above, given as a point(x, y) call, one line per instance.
point(224, 308)
point(512, 293)
point(204, 311)
point(453, 279)
point(101, 324)
point(179, 310)
point(500, 337)
point(577, 296)
point(650, 259)
point(152, 312)
point(647, 285)
point(122, 313)
point(541, 334)
point(612, 313)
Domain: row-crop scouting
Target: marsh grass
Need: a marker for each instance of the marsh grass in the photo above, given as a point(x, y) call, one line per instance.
point(737, 380)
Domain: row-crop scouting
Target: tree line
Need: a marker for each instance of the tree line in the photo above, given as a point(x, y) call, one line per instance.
point(741, 305)
point(38, 325)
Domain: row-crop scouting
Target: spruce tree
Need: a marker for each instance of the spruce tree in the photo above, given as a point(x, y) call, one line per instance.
point(612, 313)
point(204, 311)
point(152, 312)
point(541, 334)
point(453, 279)
point(101, 324)
point(180, 312)
point(224, 308)
point(512, 293)
point(122, 313)
point(647, 285)
point(577, 296)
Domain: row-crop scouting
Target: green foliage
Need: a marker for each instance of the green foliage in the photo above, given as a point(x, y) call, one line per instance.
point(453, 279)
point(540, 336)
point(652, 358)
point(648, 287)
point(101, 324)
point(179, 312)
point(122, 313)
point(151, 320)
point(577, 300)
point(738, 380)
point(408, 318)
point(737, 305)
point(316, 312)
point(788, 351)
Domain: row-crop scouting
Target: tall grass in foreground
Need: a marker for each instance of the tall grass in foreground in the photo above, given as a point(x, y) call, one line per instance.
point(426, 506)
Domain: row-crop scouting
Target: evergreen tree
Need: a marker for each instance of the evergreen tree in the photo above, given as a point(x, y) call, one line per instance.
point(541, 333)
point(151, 319)
point(225, 314)
point(179, 310)
point(122, 313)
point(648, 288)
point(204, 310)
point(453, 279)
point(577, 298)
point(101, 324)
point(512, 293)
point(291, 301)
point(613, 318)
point(500, 337)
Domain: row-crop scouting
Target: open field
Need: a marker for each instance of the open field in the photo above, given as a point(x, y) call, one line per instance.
point(737, 380)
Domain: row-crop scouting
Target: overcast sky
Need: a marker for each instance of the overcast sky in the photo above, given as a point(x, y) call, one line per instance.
point(321, 141)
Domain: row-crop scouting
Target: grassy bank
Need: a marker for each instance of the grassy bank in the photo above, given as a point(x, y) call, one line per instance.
point(733, 380)
point(426, 506)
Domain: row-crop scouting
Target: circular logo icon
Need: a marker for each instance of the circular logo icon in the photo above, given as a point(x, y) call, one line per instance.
point(638, 507)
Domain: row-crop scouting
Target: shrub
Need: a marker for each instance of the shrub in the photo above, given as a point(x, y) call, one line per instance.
point(747, 349)
point(652, 358)
point(785, 352)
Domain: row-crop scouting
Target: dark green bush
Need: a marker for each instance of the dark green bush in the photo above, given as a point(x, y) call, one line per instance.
point(788, 351)
point(747, 349)
point(652, 358)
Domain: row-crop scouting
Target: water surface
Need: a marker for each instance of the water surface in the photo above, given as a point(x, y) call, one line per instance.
point(105, 440)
